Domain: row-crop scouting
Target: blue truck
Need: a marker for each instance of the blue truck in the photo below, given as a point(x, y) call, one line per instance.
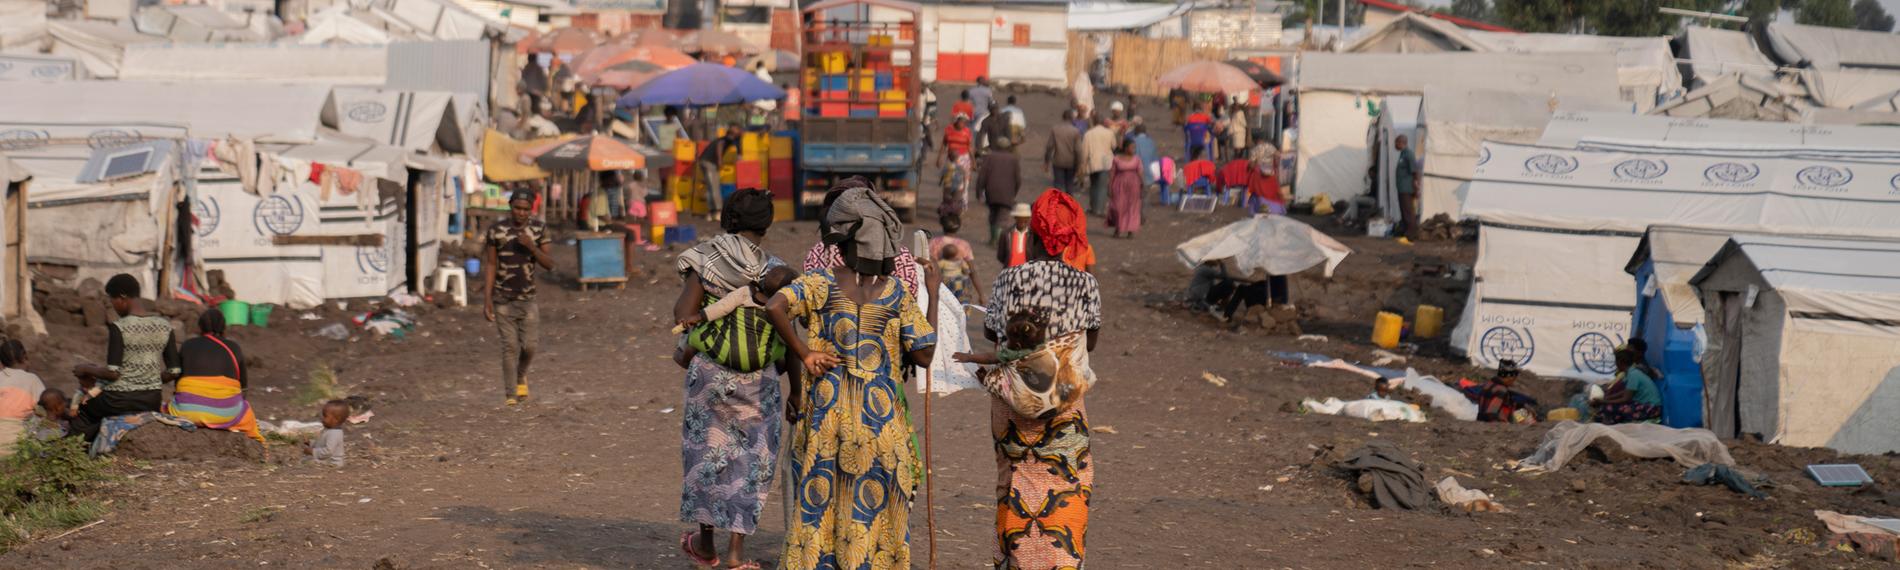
point(861, 68)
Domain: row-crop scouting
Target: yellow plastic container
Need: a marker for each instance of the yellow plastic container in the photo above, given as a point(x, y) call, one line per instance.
point(728, 174)
point(1322, 205)
point(833, 62)
point(752, 146)
point(782, 210)
point(684, 151)
point(781, 147)
point(659, 235)
point(1385, 329)
point(1563, 414)
point(1427, 322)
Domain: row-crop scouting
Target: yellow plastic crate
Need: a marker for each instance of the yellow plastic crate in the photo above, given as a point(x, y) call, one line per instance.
point(752, 146)
point(781, 147)
point(782, 210)
point(684, 150)
point(728, 174)
point(832, 62)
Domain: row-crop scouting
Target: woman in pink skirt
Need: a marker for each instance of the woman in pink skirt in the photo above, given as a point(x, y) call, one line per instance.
point(1124, 190)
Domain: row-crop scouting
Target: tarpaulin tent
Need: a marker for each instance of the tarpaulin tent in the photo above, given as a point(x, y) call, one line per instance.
point(1828, 48)
point(1670, 134)
point(1335, 89)
point(99, 46)
point(94, 229)
point(268, 111)
point(16, 282)
point(288, 63)
point(24, 67)
point(1398, 116)
point(204, 24)
point(1714, 53)
point(1804, 341)
point(1740, 96)
point(1454, 123)
point(1559, 224)
point(414, 120)
point(1645, 67)
point(1416, 33)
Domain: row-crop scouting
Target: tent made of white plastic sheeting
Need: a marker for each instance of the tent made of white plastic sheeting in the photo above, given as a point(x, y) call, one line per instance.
point(1744, 97)
point(22, 67)
point(1645, 67)
point(16, 282)
point(1714, 53)
point(282, 63)
point(1334, 91)
point(205, 24)
point(22, 24)
point(1833, 48)
point(1691, 135)
point(1277, 245)
point(1415, 33)
point(1850, 88)
point(413, 120)
point(1687, 447)
point(99, 46)
point(1559, 224)
point(98, 229)
point(340, 24)
point(1398, 116)
point(1454, 123)
point(1123, 16)
point(1804, 341)
point(210, 110)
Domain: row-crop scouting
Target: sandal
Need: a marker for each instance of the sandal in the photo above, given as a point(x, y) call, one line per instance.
point(752, 565)
point(686, 546)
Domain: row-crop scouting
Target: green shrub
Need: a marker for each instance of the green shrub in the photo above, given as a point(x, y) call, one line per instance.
point(46, 486)
point(321, 387)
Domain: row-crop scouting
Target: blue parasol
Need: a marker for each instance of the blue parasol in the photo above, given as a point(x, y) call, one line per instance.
point(701, 84)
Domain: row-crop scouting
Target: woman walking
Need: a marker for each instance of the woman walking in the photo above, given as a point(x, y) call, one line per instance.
point(855, 464)
point(1045, 476)
point(730, 430)
point(1124, 187)
point(210, 390)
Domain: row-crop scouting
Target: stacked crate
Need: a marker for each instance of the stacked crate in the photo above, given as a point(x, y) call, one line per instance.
point(749, 172)
point(683, 187)
point(782, 174)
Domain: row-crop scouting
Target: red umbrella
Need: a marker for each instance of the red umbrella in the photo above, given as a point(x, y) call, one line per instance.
point(715, 42)
point(1208, 77)
point(584, 153)
point(567, 41)
point(627, 75)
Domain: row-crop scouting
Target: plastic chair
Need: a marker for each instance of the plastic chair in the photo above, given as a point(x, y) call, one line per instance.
point(449, 272)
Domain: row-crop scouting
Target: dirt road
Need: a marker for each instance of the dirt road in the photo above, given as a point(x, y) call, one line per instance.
point(1189, 474)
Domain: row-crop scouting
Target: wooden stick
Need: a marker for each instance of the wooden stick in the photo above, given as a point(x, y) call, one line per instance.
point(68, 533)
point(930, 479)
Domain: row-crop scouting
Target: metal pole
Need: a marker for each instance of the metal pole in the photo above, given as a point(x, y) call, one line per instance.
point(1341, 44)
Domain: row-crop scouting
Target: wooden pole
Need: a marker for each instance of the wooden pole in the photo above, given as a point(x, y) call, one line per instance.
point(930, 478)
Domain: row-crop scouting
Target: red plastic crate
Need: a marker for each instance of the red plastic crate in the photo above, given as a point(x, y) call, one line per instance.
point(834, 110)
point(781, 189)
point(747, 174)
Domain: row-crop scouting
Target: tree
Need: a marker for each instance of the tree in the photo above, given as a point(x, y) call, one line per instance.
point(1830, 13)
point(1868, 15)
point(1472, 9)
point(1604, 17)
point(1328, 11)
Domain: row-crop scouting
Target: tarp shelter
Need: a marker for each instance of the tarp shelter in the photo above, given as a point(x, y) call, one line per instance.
point(1398, 116)
point(1127, 16)
point(16, 282)
point(83, 228)
point(23, 67)
point(1558, 226)
point(1825, 48)
point(22, 24)
point(287, 63)
point(1412, 32)
point(204, 24)
point(1334, 90)
point(1739, 96)
point(1668, 312)
point(1714, 53)
point(1804, 341)
point(1848, 88)
point(99, 46)
point(422, 121)
point(1669, 134)
point(1277, 245)
point(246, 110)
point(1646, 68)
point(1453, 125)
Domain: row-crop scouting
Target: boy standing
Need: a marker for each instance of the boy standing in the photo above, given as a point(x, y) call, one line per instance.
point(517, 249)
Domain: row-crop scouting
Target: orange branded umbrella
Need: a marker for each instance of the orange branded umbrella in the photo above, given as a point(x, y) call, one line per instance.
point(592, 152)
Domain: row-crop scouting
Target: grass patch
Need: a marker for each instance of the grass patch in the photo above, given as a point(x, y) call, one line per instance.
point(260, 514)
point(46, 487)
point(320, 388)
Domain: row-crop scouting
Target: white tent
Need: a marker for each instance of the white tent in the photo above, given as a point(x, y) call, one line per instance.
point(1411, 32)
point(1455, 122)
point(96, 229)
point(1334, 90)
point(22, 24)
point(1804, 341)
point(414, 120)
point(1714, 53)
point(1645, 67)
point(1740, 96)
point(24, 67)
point(1722, 136)
point(204, 24)
point(287, 63)
point(1831, 49)
point(211, 110)
point(99, 46)
point(1398, 116)
point(1558, 226)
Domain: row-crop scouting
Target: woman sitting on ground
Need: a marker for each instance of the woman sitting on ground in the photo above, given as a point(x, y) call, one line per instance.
point(210, 390)
point(1633, 397)
point(1499, 401)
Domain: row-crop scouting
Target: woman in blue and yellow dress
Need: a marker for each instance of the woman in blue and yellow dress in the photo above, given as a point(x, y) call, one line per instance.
point(854, 462)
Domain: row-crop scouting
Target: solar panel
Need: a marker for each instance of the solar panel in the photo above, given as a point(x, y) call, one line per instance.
point(1199, 203)
point(124, 165)
point(1844, 475)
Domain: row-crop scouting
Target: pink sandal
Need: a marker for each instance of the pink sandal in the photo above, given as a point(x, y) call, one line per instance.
point(686, 546)
point(753, 565)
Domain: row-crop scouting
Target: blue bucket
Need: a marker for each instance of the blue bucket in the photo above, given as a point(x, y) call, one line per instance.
point(473, 266)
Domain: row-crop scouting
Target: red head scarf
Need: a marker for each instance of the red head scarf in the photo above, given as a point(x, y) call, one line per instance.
point(1059, 222)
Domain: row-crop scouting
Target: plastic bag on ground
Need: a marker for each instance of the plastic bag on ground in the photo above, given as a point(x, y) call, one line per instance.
point(1454, 494)
point(1688, 447)
point(1443, 397)
point(1375, 410)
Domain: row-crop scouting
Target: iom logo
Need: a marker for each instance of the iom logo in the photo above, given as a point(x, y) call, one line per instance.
point(1731, 173)
point(1641, 169)
point(1824, 176)
point(1593, 352)
point(23, 139)
point(277, 215)
point(1484, 155)
point(1551, 164)
point(1506, 343)
point(372, 259)
point(207, 213)
point(112, 138)
point(366, 111)
point(52, 71)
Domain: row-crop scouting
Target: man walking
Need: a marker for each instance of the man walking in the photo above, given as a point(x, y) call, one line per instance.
point(1405, 176)
point(999, 178)
point(1064, 152)
point(982, 99)
point(1098, 154)
point(516, 249)
point(708, 161)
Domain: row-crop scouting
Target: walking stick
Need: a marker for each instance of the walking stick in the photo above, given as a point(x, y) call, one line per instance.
point(930, 495)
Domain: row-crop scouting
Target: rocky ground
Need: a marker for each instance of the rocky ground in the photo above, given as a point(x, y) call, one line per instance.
point(1190, 473)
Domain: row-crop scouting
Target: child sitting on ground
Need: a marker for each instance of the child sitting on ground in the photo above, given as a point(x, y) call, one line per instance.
point(1037, 377)
point(327, 449)
point(956, 262)
point(56, 414)
point(1381, 389)
point(754, 297)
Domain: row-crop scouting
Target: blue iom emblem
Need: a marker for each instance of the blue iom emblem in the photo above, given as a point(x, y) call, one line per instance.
point(1641, 169)
point(277, 215)
point(1593, 352)
point(1506, 343)
point(1552, 164)
point(372, 259)
point(1484, 155)
point(1731, 172)
point(1824, 176)
point(208, 214)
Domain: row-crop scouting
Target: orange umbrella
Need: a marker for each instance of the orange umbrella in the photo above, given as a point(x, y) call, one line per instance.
point(526, 44)
point(567, 41)
point(600, 59)
point(715, 42)
point(590, 152)
point(627, 75)
point(1208, 77)
point(655, 38)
